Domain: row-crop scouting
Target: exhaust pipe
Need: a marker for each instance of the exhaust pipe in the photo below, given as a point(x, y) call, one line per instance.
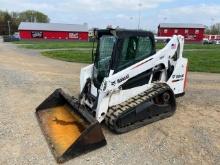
point(69, 129)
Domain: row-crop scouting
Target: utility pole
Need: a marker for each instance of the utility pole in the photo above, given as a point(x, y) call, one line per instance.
point(9, 28)
point(212, 21)
point(131, 18)
point(139, 15)
point(32, 16)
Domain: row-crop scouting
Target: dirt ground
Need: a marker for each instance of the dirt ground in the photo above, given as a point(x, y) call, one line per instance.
point(191, 136)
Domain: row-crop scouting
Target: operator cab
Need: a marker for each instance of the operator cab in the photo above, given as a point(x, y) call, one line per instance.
point(118, 49)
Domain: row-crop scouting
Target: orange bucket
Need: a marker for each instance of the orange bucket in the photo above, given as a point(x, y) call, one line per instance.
point(69, 129)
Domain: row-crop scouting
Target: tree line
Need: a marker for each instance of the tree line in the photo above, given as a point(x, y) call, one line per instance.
point(13, 19)
point(214, 29)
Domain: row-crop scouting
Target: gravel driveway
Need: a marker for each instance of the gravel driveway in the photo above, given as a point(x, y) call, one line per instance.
point(191, 136)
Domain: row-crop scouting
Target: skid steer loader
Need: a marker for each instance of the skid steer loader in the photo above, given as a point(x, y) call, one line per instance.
point(128, 86)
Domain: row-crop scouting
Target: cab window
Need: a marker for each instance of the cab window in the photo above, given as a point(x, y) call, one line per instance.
point(134, 49)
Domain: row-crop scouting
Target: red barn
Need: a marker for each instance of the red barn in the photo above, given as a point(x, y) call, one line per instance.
point(191, 32)
point(212, 37)
point(53, 31)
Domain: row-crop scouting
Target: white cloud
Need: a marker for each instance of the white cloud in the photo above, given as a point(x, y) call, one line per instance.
point(124, 17)
point(118, 12)
point(110, 5)
point(21, 5)
point(201, 13)
point(95, 12)
point(77, 5)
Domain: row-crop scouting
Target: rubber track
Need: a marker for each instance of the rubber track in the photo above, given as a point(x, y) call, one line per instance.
point(115, 111)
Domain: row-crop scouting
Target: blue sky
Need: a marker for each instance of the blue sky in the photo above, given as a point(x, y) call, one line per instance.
point(100, 13)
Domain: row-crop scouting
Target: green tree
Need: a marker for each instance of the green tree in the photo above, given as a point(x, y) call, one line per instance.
point(15, 18)
point(4, 18)
point(33, 16)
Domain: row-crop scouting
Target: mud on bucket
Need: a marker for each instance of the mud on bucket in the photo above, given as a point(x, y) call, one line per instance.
point(69, 131)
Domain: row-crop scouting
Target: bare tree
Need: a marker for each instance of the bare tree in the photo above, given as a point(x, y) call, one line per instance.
point(213, 29)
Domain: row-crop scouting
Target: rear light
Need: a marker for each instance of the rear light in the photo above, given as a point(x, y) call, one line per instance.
point(186, 77)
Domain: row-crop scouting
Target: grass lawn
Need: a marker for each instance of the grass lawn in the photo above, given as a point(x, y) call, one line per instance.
point(200, 61)
point(76, 44)
point(202, 58)
point(201, 46)
point(70, 55)
point(192, 46)
point(27, 42)
point(53, 44)
point(204, 61)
